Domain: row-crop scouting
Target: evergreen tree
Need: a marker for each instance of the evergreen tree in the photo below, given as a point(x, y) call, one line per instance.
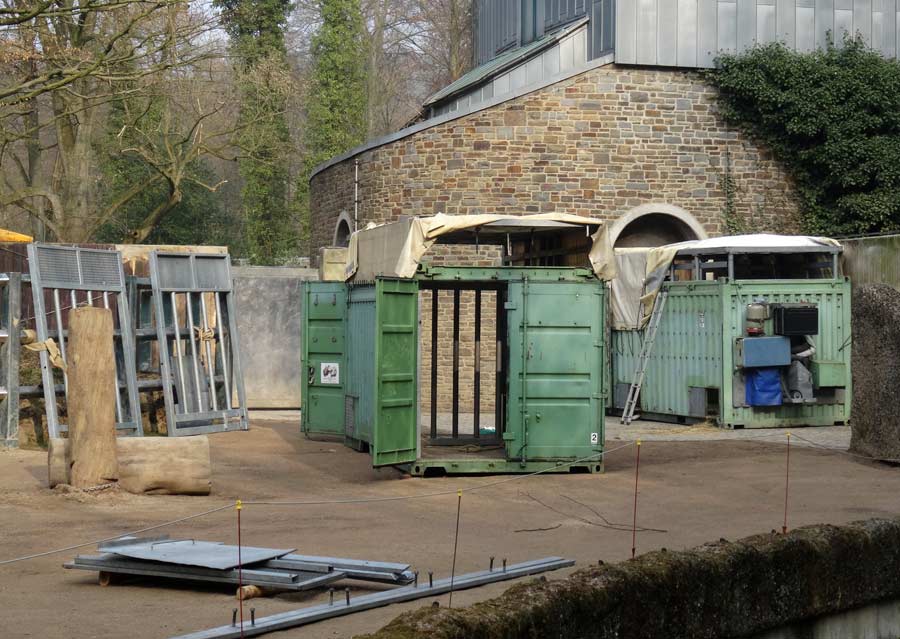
point(256, 29)
point(336, 102)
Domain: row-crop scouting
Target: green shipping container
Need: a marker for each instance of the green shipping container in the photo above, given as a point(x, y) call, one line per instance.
point(693, 374)
point(361, 357)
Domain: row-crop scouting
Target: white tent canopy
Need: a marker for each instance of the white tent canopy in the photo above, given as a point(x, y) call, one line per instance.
point(643, 270)
point(402, 245)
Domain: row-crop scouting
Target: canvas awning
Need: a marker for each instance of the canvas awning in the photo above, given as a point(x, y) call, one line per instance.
point(631, 303)
point(402, 245)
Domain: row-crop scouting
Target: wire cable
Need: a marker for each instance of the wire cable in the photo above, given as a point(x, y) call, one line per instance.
point(303, 503)
point(119, 536)
point(440, 493)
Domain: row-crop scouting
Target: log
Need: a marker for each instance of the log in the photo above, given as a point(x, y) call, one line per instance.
point(165, 466)
point(91, 397)
point(155, 465)
point(58, 461)
point(252, 592)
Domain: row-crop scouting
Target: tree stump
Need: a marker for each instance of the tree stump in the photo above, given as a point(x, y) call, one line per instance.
point(91, 397)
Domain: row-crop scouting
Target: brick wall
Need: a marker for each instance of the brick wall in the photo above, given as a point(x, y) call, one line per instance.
point(597, 144)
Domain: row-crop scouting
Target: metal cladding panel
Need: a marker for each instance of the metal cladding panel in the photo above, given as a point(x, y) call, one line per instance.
point(626, 34)
point(872, 260)
point(785, 21)
point(667, 39)
point(824, 22)
point(862, 18)
point(832, 345)
point(806, 28)
point(766, 31)
point(321, 384)
point(647, 19)
point(360, 382)
point(692, 33)
point(394, 431)
point(746, 24)
point(687, 351)
point(557, 12)
point(557, 385)
point(707, 32)
point(687, 47)
point(601, 28)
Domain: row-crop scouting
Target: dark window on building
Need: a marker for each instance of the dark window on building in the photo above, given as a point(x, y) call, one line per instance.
point(558, 12)
point(504, 24)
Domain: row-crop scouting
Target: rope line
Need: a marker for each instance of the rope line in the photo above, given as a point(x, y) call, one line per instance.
point(120, 535)
point(304, 503)
point(441, 493)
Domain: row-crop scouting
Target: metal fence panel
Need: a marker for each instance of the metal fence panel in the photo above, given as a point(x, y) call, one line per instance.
point(94, 276)
point(200, 360)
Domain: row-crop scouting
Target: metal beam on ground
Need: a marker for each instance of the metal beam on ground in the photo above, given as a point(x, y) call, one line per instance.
point(320, 612)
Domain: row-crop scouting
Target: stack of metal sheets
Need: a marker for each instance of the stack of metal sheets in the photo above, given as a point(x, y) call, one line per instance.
point(192, 560)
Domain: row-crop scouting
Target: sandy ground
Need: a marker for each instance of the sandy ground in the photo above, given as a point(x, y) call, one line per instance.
point(696, 483)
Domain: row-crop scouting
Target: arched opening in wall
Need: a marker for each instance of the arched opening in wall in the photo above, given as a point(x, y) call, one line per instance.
point(342, 232)
point(654, 229)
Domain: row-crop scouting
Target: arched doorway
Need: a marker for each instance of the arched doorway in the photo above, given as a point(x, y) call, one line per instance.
point(655, 225)
point(342, 230)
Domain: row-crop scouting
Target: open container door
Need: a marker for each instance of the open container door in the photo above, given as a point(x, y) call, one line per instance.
point(556, 373)
point(324, 374)
point(394, 437)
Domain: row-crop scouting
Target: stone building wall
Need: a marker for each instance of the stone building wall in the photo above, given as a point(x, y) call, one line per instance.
point(599, 144)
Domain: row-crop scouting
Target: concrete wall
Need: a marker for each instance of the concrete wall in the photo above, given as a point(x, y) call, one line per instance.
point(601, 143)
point(269, 310)
point(876, 621)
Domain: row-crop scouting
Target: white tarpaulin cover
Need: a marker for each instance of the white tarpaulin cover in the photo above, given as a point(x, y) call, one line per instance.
point(654, 266)
point(627, 287)
point(422, 232)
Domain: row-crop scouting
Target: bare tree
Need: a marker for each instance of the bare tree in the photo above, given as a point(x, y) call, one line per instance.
point(415, 47)
point(67, 70)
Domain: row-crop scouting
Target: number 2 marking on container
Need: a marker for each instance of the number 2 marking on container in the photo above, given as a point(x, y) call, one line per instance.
point(595, 437)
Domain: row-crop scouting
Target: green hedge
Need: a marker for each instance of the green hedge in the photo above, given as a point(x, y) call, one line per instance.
point(833, 118)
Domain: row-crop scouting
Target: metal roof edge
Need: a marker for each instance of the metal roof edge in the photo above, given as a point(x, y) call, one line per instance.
point(516, 56)
point(602, 61)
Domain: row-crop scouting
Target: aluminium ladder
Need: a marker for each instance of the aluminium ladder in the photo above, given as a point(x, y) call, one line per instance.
point(644, 357)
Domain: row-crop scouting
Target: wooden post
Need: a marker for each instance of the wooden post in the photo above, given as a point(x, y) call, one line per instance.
point(91, 397)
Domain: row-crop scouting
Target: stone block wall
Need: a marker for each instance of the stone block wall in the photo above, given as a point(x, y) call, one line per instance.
point(457, 255)
point(599, 144)
point(722, 590)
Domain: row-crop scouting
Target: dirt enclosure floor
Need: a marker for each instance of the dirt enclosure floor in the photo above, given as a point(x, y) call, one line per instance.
point(695, 489)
